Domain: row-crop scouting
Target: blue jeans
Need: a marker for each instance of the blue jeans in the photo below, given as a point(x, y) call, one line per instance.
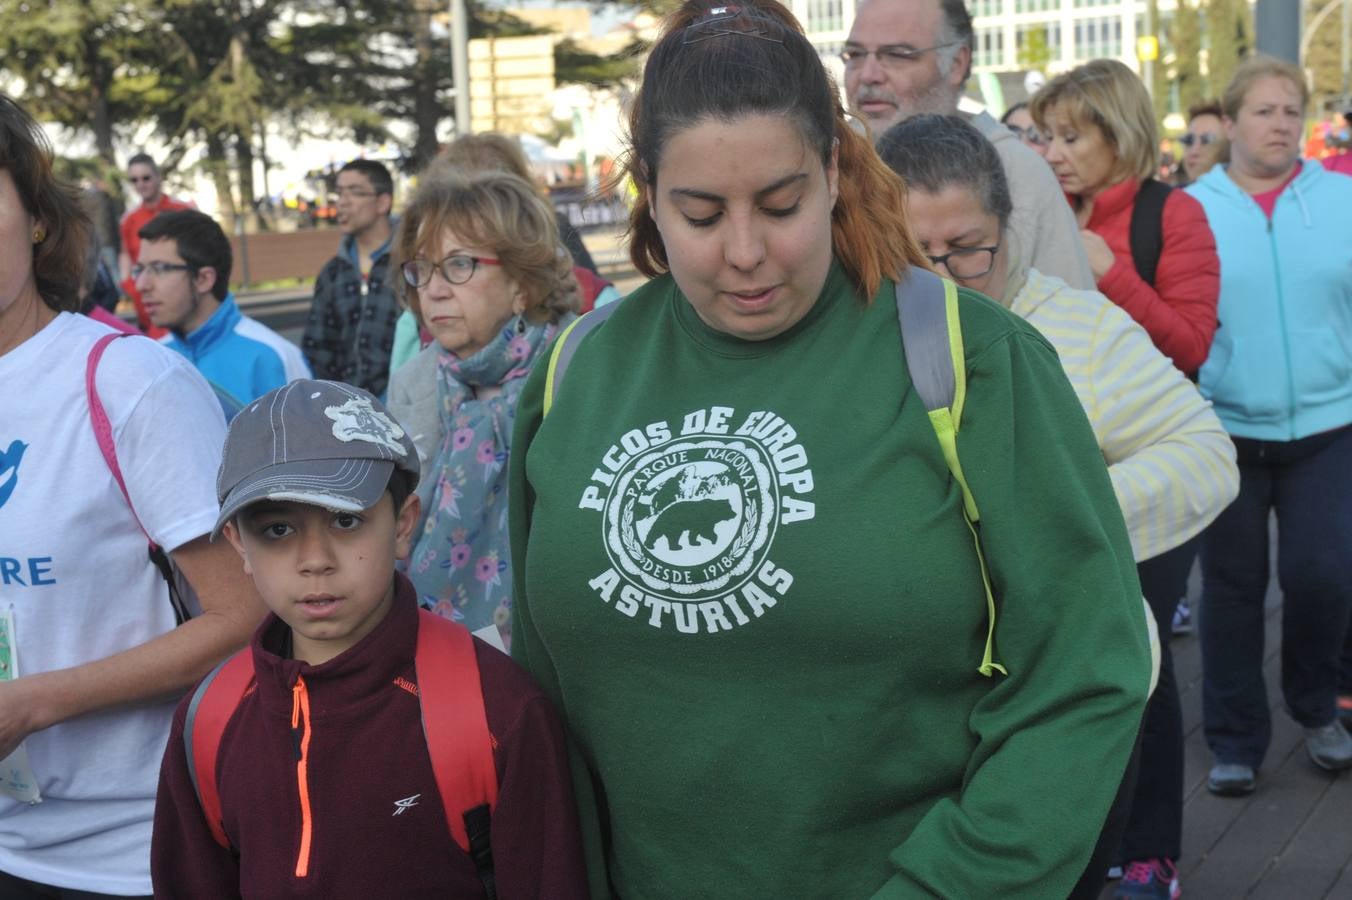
point(1308, 483)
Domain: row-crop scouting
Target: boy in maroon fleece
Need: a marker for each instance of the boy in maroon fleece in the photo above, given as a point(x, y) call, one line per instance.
point(316, 491)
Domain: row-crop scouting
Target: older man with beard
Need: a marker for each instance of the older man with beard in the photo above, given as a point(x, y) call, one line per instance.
point(908, 57)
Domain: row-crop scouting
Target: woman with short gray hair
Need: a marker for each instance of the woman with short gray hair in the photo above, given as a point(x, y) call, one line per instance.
point(1171, 463)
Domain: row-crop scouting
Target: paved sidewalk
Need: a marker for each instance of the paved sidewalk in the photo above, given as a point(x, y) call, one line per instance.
point(1289, 840)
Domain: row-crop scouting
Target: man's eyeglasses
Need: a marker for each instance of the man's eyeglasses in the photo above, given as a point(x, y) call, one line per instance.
point(1028, 135)
point(967, 262)
point(456, 269)
point(137, 179)
point(889, 56)
point(159, 269)
point(1206, 139)
point(348, 193)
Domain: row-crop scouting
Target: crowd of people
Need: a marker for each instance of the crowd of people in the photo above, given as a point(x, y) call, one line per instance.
point(769, 540)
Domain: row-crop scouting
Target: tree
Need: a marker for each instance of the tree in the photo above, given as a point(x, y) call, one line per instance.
point(1186, 37)
point(1229, 28)
point(67, 53)
point(574, 65)
point(1324, 58)
point(1035, 54)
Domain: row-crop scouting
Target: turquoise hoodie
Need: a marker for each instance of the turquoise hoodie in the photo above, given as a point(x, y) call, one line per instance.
point(1280, 367)
point(241, 357)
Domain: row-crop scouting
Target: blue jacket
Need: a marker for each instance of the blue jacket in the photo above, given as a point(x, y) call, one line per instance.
point(1280, 367)
point(242, 358)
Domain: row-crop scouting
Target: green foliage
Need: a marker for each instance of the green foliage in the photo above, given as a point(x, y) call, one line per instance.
point(1229, 29)
point(1186, 36)
point(1036, 52)
point(1324, 58)
point(574, 65)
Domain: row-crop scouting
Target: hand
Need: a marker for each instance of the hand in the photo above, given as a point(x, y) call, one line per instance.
point(1101, 257)
point(15, 719)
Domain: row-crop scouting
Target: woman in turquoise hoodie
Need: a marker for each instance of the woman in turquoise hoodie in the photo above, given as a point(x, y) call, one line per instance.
point(1280, 377)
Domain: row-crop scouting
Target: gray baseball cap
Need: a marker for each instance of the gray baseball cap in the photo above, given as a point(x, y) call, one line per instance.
point(319, 442)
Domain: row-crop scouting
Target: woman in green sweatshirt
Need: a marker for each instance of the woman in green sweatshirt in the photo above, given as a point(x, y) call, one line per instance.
point(744, 575)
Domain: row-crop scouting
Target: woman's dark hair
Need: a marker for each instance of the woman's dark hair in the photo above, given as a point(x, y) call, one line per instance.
point(933, 152)
point(59, 258)
point(1206, 108)
point(1022, 104)
point(727, 62)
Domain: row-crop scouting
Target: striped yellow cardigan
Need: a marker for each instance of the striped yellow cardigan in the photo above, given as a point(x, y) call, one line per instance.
point(1172, 464)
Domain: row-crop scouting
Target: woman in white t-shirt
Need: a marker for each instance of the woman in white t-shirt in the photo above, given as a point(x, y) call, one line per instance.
point(90, 629)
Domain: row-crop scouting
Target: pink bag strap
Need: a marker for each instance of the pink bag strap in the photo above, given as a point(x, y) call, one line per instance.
point(103, 429)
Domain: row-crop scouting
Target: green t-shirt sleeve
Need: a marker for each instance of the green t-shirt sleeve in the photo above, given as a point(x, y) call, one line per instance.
point(527, 648)
point(1051, 738)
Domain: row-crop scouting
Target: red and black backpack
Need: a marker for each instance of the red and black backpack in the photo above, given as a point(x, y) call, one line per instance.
point(458, 740)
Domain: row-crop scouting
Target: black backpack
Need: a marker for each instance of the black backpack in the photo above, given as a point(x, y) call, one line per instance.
point(1147, 229)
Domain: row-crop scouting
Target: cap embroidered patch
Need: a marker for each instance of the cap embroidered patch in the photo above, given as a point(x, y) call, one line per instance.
point(357, 420)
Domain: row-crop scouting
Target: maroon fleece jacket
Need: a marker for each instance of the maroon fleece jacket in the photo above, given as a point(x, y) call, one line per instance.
point(367, 760)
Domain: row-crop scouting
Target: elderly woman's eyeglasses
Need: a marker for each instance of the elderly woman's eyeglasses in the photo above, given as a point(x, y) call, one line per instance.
point(889, 56)
point(1206, 139)
point(967, 262)
point(456, 269)
point(1028, 135)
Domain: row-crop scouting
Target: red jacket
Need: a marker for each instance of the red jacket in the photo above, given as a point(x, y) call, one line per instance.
point(377, 824)
point(1179, 312)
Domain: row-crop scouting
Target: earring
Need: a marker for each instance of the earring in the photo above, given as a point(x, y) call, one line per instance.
point(521, 324)
point(39, 235)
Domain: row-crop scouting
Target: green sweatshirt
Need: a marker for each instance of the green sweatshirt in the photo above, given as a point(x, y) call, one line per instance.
point(745, 580)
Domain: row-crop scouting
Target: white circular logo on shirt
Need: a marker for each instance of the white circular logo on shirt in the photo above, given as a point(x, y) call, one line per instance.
point(693, 516)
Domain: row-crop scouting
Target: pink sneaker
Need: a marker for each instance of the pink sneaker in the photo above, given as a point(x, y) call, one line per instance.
point(1149, 878)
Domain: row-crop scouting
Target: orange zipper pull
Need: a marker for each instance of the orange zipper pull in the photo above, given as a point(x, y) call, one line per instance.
point(300, 708)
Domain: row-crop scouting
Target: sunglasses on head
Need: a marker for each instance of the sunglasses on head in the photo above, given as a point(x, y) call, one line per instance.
point(1205, 140)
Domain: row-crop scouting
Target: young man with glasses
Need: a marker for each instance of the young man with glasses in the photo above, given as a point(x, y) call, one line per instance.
point(350, 333)
point(905, 58)
point(184, 275)
point(148, 183)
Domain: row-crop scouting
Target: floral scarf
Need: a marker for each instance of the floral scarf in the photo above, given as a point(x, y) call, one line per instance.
point(461, 562)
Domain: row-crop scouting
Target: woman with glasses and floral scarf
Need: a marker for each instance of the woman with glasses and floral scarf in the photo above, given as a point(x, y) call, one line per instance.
point(482, 269)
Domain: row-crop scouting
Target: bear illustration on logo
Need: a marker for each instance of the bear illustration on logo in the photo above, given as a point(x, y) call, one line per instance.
point(685, 511)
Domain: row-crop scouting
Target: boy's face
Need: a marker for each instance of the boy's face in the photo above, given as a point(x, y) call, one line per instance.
point(329, 575)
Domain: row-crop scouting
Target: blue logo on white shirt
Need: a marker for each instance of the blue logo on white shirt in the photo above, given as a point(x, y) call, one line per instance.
point(9, 469)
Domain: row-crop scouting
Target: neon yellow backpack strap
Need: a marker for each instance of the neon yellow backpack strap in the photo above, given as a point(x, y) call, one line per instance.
point(931, 335)
point(565, 346)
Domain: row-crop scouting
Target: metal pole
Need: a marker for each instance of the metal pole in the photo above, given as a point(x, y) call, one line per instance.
point(1347, 51)
point(1148, 76)
point(1276, 24)
point(460, 65)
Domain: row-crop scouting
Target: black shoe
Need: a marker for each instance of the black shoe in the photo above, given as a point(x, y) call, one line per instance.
point(1231, 780)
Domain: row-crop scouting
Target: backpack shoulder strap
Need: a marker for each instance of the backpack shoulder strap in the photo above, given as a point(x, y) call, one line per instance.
point(98, 418)
point(931, 339)
point(458, 741)
point(566, 346)
point(209, 711)
point(1147, 228)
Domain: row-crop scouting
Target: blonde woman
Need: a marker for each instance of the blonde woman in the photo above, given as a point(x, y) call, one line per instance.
point(480, 266)
point(1104, 149)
